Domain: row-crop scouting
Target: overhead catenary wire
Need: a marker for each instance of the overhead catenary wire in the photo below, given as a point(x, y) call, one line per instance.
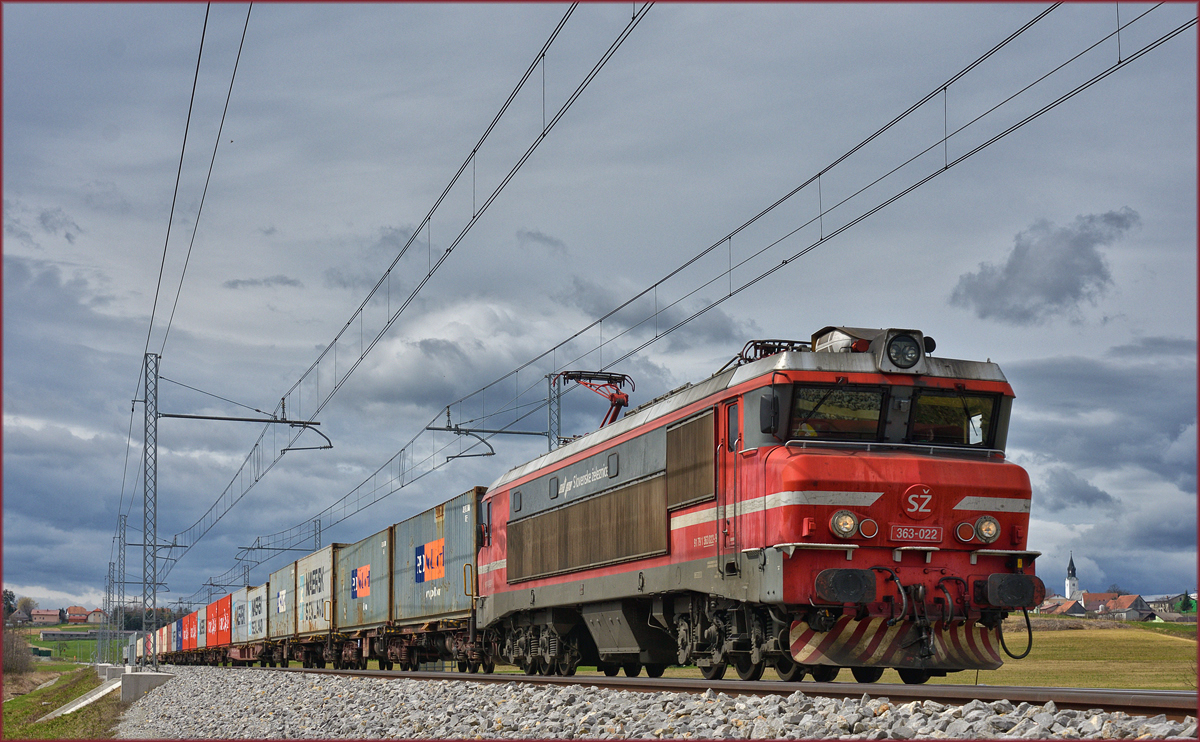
point(178, 177)
point(659, 334)
point(230, 496)
point(204, 194)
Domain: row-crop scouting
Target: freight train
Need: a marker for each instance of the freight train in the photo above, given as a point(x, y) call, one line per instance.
point(843, 502)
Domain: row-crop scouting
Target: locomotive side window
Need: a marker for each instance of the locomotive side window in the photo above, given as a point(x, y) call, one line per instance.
point(835, 412)
point(734, 432)
point(953, 418)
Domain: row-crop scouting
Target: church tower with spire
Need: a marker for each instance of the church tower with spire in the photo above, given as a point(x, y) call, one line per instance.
point(1072, 582)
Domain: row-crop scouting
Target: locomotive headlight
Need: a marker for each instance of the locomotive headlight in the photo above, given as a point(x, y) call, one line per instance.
point(904, 351)
point(987, 529)
point(843, 524)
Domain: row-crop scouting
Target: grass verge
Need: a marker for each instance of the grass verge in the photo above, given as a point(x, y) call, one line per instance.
point(95, 721)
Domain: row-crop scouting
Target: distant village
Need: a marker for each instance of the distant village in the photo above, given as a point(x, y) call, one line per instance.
point(1118, 605)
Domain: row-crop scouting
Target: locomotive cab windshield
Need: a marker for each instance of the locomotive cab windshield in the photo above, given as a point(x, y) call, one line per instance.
point(927, 416)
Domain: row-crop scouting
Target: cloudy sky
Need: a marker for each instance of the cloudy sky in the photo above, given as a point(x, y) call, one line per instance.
point(1064, 251)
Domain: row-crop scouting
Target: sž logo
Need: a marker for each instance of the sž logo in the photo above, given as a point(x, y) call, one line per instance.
point(430, 561)
point(917, 502)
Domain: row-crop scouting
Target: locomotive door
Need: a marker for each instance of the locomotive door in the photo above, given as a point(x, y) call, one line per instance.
point(727, 495)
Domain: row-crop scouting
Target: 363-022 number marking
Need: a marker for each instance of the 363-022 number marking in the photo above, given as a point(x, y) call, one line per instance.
point(915, 533)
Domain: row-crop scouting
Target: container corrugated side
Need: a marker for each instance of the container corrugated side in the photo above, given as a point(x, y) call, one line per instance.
point(364, 583)
point(281, 604)
point(224, 620)
point(314, 591)
point(256, 610)
point(431, 551)
point(179, 633)
point(240, 622)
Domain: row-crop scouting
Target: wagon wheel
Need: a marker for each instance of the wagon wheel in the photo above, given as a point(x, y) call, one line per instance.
point(547, 667)
point(609, 669)
point(362, 663)
point(655, 669)
point(825, 673)
point(472, 666)
point(566, 668)
point(715, 671)
point(632, 669)
point(748, 670)
point(788, 670)
point(913, 677)
point(462, 665)
point(389, 665)
point(489, 666)
point(531, 665)
point(867, 674)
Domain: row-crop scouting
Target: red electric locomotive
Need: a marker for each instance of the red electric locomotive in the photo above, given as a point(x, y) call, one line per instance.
point(844, 502)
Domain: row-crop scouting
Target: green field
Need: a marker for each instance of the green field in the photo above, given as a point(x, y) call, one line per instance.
point(79, 650)
point(1146, 656)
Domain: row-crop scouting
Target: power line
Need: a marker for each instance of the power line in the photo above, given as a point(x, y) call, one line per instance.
point(376, 489)
point(257, 460)
point(200, 210)
point(178, 175)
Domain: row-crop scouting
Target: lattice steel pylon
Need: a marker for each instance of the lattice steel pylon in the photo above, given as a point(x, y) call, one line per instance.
point(105, 653)
point(122, 521)
point(150, 515)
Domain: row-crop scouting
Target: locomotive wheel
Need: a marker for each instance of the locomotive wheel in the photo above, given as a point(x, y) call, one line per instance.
point(866, 674)
point(825, 673)
point(748, 670)
point(913, 677)
point(715, 671)
point(609, 670)
point(655, 669)
point(788, 670)
point(632, 669)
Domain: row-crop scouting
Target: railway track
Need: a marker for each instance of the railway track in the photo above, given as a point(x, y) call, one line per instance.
point(1174, 705)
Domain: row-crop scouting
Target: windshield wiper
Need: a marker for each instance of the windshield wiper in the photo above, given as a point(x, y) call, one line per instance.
point(841, 381)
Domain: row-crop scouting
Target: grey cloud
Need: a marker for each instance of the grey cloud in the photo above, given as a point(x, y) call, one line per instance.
point(106, 197)
point(1142, 548)
point(277, 280)
point(267, 231)
point(1066, 489)
point(1051, 270)
point(56, 221)
point(1157, 347)
point(336, 278)
point(526, 237)
point(393, 239)
point(1088, 413)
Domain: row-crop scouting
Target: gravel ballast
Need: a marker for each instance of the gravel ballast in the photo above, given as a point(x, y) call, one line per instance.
point(211, 702)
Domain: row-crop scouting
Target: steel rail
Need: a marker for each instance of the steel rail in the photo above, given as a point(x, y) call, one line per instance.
point(1173, 704)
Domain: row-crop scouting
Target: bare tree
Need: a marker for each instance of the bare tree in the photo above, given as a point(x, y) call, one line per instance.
point(26, 604)
point(17, 657)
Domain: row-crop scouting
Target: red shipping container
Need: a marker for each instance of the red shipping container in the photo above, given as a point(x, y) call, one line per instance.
point(224, 621)
point(189, 631)
point(210, 625)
